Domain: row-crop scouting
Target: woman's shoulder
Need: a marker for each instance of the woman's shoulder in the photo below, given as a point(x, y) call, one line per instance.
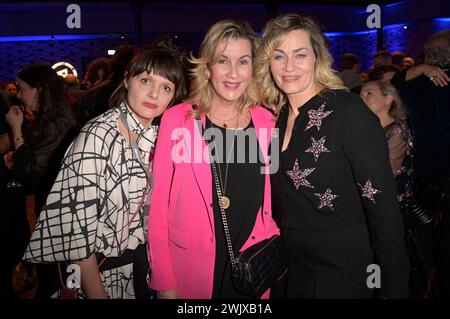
point(263, 113)
point(106, 119)
point(177, 116)
point(343, 97)
point(349, 104)
point(178, 110)
point(397, 127)
point(102, 126)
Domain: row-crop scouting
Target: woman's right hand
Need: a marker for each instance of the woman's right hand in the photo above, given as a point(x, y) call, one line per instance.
point(91, 281)
point(8, 158)
point(14, 117)
point(168, 294)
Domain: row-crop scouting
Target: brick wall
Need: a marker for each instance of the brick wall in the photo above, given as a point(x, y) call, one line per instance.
point(14, 55)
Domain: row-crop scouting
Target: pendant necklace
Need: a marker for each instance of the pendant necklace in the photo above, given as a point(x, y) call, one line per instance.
point(224, 125)
point(224, 201)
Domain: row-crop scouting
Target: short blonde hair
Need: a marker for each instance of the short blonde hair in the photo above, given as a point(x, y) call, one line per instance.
point(211, 49)
point(397, 110)
point(274, 33)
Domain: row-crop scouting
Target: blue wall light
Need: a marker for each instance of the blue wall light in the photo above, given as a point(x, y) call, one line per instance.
point(346, 34)
point(51, 37)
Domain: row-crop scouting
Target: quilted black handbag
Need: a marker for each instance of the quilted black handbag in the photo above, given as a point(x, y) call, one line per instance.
point(258, 267)
point(424, 205)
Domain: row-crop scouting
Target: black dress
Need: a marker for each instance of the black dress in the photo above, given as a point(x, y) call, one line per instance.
point(245, 188)
point(335, 197)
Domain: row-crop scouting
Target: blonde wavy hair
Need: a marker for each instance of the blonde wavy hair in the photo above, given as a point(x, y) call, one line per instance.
point(397, 110)
point(211, 49)
point(274, 32)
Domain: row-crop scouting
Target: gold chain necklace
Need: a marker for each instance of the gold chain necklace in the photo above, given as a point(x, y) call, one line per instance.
point(224, 201)
point(224, 121)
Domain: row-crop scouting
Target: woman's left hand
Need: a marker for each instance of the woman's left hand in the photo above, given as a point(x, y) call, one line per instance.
point(435, 74)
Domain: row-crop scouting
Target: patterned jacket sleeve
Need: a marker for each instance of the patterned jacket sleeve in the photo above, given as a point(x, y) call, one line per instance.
point(366, 148)
point(68, 223)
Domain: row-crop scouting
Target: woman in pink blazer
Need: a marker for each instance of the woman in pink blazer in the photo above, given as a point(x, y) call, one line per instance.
point(188, 250)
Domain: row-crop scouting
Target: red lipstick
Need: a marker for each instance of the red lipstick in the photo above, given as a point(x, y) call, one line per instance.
point(150, 105)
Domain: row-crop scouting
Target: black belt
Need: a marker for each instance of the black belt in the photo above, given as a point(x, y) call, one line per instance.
point(138, 257)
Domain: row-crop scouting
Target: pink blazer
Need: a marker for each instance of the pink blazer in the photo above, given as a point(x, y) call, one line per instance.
point(181, 223)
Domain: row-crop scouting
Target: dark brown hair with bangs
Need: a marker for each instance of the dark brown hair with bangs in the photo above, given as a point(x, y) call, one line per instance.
point(164, 60)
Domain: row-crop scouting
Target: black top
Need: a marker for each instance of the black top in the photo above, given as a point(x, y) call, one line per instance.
point(429, 116)
point(398, 136)
point(334, 175)
point(245, 188)
point(37, 162)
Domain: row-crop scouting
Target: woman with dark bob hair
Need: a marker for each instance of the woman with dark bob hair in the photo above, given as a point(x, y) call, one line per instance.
point(96, 213)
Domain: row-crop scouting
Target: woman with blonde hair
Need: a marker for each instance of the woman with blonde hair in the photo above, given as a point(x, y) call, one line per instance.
point(383, 100)
point(227, 166)
point(334, 190)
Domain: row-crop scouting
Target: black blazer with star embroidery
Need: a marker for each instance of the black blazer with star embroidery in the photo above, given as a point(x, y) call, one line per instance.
point(335, 175)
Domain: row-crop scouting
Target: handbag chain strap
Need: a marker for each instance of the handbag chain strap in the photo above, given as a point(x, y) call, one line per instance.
point(224, 217)
point(219, 194)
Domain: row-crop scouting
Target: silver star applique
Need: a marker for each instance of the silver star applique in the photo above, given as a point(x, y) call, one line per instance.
point(317, 147)
point(316, 117)
point(298, 175)
point(326, 199)
point(368, 191)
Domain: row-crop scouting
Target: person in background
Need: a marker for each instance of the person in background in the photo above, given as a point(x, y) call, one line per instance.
point(45, 135)
point(383, 72)
point(97, 72)
point(106, 76)
point(384, 101)
point(41, 131)
point(408, 62)
point(5, 130)
point(427, 100)
point(73, 93)
point(398, 59)
point(8, 216)
point(382, 57)
point(11, 89)
point(188, 249)
point(96, 213)
point(350, 71)
point(335, 184)
point(398, 78)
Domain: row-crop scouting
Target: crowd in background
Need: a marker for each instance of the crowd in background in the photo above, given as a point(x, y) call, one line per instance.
point(406, 136)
